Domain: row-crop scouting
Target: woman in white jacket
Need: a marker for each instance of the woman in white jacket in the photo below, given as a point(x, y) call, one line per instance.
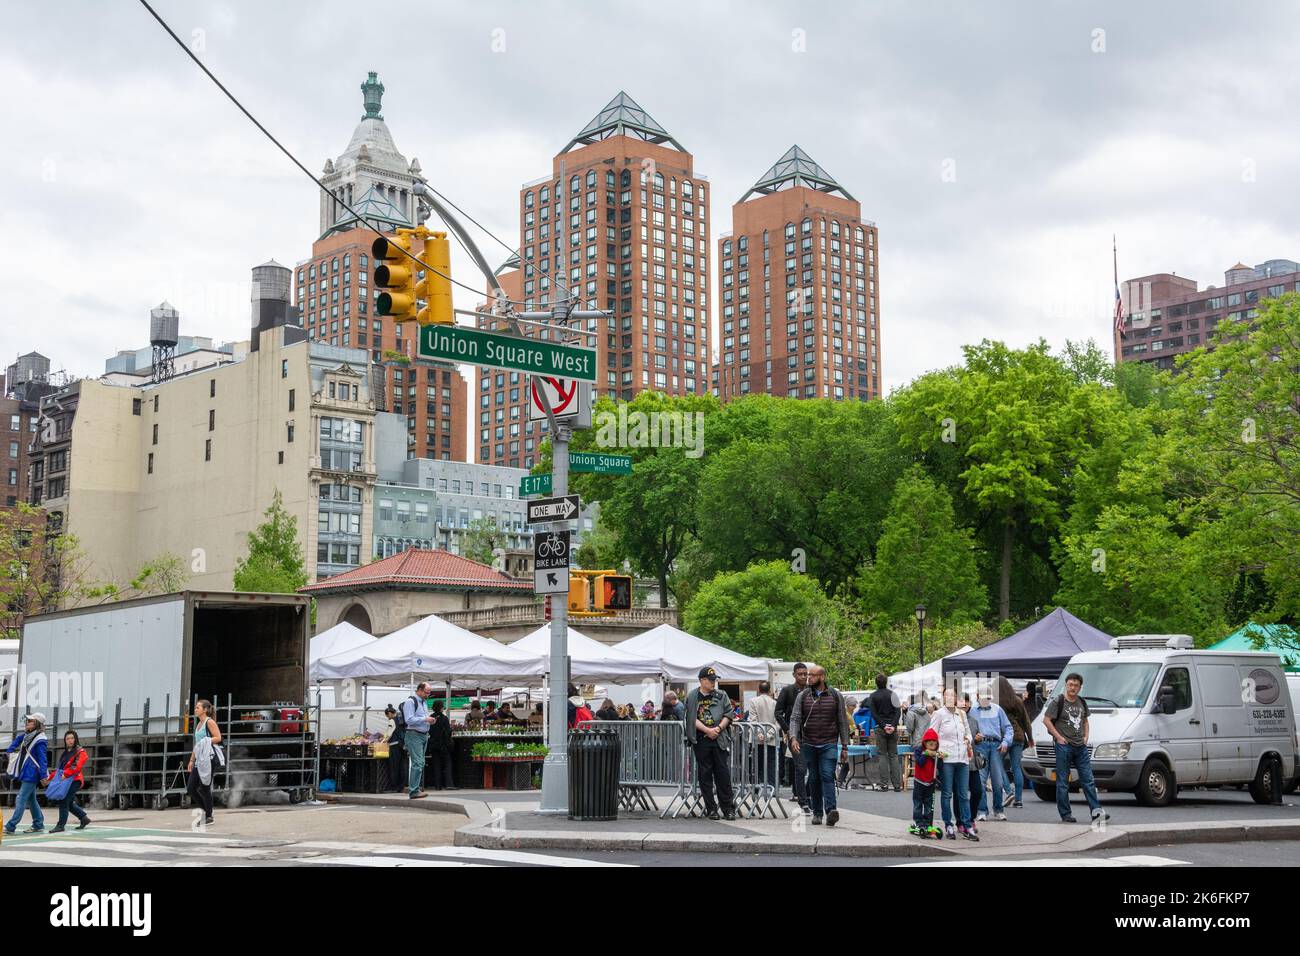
point(955, 753)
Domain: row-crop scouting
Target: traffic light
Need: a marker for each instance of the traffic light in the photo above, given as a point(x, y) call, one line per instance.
point(579, 593)
point(393, 275)
point(613, 592)
point(435, 287)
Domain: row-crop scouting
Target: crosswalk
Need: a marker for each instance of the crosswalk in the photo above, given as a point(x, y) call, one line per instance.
point(130, 847)
point(1072, 861)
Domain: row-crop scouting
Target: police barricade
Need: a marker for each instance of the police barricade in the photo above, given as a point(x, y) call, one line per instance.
point(653, 755)
point(753, 760)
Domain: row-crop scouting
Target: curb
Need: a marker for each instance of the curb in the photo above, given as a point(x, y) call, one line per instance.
point(1227, 832)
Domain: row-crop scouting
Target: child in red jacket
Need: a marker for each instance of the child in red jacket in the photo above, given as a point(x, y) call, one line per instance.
point(925, 761)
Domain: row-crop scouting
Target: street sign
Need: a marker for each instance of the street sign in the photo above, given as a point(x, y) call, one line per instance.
point(569, 398)
point(545, 510)
point(534, 485)
point(551, 562)
point(460, 343)
point(600, 464)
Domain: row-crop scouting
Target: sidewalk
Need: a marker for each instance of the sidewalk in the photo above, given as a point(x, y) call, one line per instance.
point(499, 821)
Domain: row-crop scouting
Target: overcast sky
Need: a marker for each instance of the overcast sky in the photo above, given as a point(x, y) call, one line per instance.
point(997, 145)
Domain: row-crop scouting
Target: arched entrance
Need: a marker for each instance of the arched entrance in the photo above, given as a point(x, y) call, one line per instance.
point(357, 616)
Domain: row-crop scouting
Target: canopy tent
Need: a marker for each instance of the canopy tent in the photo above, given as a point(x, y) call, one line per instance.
point(1278, 639)
point(590, 661)
point(339, 638)
point(681, 656)
point(927, 677)
point(1040, 650)
point(433, 649)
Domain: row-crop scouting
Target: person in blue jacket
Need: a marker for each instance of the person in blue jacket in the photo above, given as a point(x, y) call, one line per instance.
point(29, 767)
point(992, 740)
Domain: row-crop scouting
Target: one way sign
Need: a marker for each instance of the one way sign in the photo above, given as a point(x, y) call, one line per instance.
point(544, 510)
point(551, 562)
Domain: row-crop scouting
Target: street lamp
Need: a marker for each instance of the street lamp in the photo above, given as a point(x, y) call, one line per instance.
point(920, 629)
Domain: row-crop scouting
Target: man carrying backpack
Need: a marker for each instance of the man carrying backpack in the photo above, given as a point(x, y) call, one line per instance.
point(416, 737)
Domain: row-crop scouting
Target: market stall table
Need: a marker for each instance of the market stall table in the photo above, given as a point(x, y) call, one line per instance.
point(471, 774)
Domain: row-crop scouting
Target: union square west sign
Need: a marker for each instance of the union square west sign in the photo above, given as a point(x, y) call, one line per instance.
point(460, 343)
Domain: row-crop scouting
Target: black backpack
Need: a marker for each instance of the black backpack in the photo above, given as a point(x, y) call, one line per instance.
point(399, 723)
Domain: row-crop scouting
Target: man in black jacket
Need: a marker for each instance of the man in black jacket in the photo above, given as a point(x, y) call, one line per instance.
point(885, 712)
point(798, 772)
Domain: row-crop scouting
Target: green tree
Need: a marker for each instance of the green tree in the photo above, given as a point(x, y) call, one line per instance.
point(274, 562)
point(765, 610)
point(482, 539)
point(1018, 421)
point(41, 568)
point(922, 558)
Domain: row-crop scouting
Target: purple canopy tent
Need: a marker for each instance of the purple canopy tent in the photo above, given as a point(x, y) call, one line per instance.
point(1040, 650)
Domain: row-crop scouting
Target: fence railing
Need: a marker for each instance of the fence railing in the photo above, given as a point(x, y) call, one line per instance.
point(656, 754)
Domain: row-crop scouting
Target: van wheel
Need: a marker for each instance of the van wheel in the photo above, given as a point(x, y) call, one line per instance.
point(1045, 792)
point(1261, 788)
point(1156, 786)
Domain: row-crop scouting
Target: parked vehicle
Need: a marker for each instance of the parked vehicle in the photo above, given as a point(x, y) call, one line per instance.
point(8, 685)
point(1165, 716)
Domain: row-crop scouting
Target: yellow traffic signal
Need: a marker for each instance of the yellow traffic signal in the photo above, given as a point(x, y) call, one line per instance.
point(435, 287)
point(579, 593)
point(393, 275)
point(613, 592)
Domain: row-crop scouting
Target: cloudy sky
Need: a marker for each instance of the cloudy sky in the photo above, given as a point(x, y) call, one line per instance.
point(997, 145)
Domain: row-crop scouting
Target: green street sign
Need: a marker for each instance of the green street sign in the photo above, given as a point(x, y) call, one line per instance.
point(534, 485)
point(460, 343)
point(600, 464)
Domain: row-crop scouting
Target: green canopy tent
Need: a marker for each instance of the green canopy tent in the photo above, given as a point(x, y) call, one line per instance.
point(1278, 639)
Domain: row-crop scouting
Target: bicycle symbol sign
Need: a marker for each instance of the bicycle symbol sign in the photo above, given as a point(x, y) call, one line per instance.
point(553, 546)
point(551, 562)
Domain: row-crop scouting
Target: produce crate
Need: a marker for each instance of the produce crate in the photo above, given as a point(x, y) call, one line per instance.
point(345, 751)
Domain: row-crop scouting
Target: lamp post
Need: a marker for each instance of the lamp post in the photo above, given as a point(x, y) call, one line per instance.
point(920, 629)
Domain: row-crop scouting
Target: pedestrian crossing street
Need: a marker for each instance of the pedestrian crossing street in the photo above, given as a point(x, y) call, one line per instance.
point(130, 847)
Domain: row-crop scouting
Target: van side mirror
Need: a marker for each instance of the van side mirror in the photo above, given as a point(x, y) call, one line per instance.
point(1167, 700)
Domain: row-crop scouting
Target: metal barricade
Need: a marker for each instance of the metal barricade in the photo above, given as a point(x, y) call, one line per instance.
point(655, 753)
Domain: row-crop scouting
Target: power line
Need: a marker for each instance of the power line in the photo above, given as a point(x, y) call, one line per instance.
point(310, 175)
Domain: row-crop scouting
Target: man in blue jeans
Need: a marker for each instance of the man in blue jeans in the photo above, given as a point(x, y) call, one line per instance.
point(1066, 719)
point(29, 766)
point(819, 730)
point(991, 741)
point(416, 739)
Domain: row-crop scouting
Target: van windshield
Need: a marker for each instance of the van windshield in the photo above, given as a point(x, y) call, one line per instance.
point(1116, 684)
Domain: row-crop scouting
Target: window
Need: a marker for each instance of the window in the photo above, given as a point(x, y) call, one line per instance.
point(155, 403)
point(135, 406)
point(207, 450)
point(284, 373)
point(155, 429)
point(212, 388)
point(291, 399)
point(212, 419)
point(151, 463)
point(290, 432)
point(385, 509)
point(1179, 680)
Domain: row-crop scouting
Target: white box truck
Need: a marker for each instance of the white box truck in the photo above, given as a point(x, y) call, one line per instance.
point(1165, 716)
point(126, 675)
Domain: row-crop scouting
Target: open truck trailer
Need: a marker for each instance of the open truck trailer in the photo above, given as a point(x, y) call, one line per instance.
point(126, 676)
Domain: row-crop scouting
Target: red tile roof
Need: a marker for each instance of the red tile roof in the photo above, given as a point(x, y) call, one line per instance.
point(419, 568)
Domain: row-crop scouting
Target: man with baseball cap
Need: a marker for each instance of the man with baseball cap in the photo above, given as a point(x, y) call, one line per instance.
point(708, 713)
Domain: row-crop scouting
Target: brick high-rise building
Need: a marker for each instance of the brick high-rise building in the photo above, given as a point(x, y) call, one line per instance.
point(1166, 315)
point(621, 221)
point(336, 302)
point(800, 312)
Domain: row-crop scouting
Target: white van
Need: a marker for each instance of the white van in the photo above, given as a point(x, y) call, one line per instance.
point(1164, 716)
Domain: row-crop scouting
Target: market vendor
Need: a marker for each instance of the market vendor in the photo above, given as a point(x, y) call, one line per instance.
point(474, 719)
point(398, 771)
point(507, 716)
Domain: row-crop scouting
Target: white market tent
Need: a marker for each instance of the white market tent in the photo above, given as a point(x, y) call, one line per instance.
point(681, 655)
point(433, 649)
point(339, 638)
point(927, 677)
point(590, 661)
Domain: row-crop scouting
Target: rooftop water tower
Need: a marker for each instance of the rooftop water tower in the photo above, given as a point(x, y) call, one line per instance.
point(164, 333)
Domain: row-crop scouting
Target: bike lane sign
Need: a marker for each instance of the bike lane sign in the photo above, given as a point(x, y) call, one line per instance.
point(551, 562)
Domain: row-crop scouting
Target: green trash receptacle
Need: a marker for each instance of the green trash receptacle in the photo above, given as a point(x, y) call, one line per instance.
point(593, 774)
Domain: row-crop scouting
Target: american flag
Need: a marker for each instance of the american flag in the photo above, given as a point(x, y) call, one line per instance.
point(1119, 313)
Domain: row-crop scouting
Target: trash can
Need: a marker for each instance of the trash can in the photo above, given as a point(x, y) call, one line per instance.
point(593, 774)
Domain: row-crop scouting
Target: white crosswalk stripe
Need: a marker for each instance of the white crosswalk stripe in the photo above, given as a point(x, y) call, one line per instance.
point(1055, 861)
point(125, 847)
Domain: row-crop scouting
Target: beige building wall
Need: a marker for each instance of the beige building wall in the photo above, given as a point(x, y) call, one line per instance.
point(200, 501)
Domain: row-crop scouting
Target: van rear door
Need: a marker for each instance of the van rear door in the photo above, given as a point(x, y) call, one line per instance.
point(1183, 731)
